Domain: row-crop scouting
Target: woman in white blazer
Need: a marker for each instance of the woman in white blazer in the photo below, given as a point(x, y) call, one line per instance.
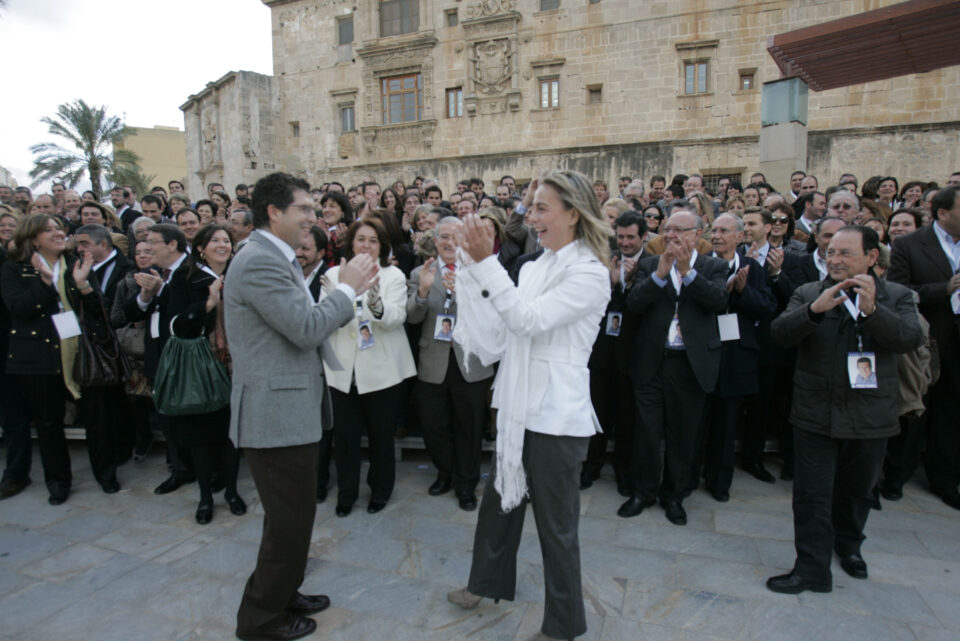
point(541, 331)
point(375, 358)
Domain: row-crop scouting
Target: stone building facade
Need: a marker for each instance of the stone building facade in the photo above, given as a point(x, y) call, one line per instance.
point(458, 88)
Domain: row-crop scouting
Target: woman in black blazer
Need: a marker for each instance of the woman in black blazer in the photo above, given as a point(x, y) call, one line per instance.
point(39, 281)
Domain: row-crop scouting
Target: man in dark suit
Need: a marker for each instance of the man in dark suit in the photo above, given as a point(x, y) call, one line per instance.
point(158, 302)
point(928, 261)
point(840, 427)
point(750, 301)
point(812, 267)
point(610, 387)
point(106, 410)
point(675, 363)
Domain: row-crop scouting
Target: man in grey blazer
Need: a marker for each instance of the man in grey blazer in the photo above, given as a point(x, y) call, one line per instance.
point(279, 394)
point(451, 398)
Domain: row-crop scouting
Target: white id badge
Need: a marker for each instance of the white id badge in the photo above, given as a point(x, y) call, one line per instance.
point(155, 325)
point(443, 327)
point(674, 335)
point(862, 370)
point(729, 327)
point(66, 324)
point(365, 340)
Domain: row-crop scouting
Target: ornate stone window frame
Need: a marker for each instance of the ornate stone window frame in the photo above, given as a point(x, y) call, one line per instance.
point(693, 52)
point(545, 70)
point(396, 56)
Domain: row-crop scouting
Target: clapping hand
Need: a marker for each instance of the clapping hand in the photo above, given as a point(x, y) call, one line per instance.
point(476, 238)
point(360, 273)
point(149, 284)
point(41, 266)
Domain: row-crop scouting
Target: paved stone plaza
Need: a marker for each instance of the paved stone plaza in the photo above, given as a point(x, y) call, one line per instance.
point(135, 566)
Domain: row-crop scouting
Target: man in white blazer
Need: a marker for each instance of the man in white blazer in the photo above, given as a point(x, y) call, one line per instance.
point(275, 331)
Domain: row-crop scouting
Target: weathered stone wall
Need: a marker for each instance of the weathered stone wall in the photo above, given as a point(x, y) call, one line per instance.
point(633, 51)
point(230, 130)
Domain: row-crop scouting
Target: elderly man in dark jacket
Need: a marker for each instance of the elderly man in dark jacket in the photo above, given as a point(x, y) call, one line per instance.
point(841, 415)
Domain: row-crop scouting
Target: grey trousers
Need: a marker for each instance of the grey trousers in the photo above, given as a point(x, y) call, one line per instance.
point(552, 464)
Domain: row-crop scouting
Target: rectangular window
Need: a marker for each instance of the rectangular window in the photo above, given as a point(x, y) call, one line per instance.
point(402, 98)
point(399, 16)
point(549, 93)
point(453, 19)
point(594, 94)
point(345, 30)
point(746, 82)
point(455, 103)
point(348, 121)
point(547, 5)
point(295, 129)
point(695, 77)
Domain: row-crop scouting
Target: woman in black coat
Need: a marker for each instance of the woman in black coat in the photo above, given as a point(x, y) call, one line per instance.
point(40, 282)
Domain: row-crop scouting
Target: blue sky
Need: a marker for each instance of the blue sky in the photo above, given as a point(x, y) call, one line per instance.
point(140, 59)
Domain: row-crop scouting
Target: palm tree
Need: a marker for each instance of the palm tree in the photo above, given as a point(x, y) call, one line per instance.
point(91, 134)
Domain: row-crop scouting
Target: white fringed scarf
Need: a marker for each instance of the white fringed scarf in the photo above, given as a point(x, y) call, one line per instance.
point(480, 331)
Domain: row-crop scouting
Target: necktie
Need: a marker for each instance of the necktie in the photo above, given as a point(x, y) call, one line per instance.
point(165, 274)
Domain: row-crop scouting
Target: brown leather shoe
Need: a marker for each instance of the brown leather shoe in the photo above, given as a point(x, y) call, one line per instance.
point(290, 626)
point(304, 604)
point(464, 598)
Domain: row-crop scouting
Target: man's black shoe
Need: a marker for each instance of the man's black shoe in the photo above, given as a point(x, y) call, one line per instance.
point(633, 506)
point(110, 487)
point(675, 512)
point(343, 510)
point(891, 493)
point(854, 565)
point(586, 480)
point(321, 494)
point(467, 501)
point(951, 498)
point(12, 487)
point(304, 604)
point(290, 626)
point(170, 485)
point(440, 486)
point(59, 496)
point(721, 496)
point(795, 584)
point(759, 472)
point(375, 506)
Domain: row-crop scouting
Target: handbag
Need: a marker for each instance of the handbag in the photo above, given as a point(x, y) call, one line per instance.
point(131, 339)
point(189, 380)
point(100, 361)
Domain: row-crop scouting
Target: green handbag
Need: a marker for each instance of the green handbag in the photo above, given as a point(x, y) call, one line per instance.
point(189, 379)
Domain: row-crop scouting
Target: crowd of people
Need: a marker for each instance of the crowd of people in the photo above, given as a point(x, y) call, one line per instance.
point(737, 314)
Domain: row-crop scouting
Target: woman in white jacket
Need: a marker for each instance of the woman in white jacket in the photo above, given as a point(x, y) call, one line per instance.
point(542, 332)
point(375, 358)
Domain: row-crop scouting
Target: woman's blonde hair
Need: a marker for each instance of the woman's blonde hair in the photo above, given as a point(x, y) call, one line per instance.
point(617, 203)
point(576, 192)
point(706, 207)
point(498, 217)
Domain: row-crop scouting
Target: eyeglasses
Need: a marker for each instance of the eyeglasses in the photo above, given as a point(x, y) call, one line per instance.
point(678, 230)
point(652, 216)
point(780, 219)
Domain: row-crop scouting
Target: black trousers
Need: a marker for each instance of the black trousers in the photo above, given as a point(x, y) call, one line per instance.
point(552, 465)
point(832, 492)
point(324, 453)
point(669, 408)
point(179, 458)
point(904, 452)
point(721, 424)
point(353, 414)
point(452, 417)
point(943, 441)
point(612, 395)
point(108, 430)
point(16, 429)
point(760, 417)
point(286, 483)
point(40, 399)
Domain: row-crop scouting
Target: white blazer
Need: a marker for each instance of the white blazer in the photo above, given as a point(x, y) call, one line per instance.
point(389, 360)
point(557, 306)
